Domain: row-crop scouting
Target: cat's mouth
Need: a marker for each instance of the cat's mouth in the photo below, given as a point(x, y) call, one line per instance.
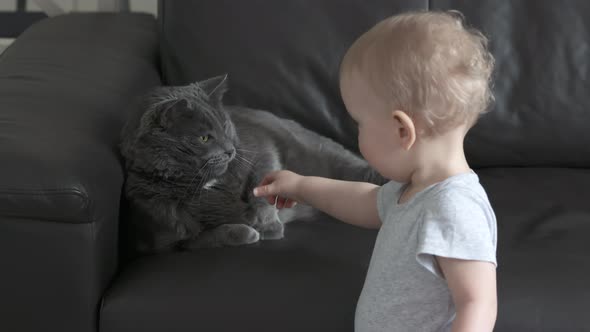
point(220, 162)
point(221, 159)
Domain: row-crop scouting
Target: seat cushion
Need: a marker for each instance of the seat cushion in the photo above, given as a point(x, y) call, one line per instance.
point(310, 281)
point(543, 247)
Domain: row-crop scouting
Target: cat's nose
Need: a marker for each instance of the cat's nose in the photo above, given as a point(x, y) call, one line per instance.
point(230, 152)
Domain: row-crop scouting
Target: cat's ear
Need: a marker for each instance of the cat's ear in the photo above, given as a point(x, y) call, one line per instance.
point(173, 111)
point(215, 88)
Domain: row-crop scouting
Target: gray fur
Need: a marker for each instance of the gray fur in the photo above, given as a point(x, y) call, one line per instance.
point(190, 194)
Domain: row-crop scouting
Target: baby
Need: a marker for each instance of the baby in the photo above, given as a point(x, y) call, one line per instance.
point(415, 84)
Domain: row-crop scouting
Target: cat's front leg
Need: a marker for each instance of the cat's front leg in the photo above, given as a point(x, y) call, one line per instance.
point(263, 217)
point(223, 235)
point(267, 221)
point(274, 230)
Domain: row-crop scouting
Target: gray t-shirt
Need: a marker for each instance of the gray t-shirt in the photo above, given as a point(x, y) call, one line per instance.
point(404, 289)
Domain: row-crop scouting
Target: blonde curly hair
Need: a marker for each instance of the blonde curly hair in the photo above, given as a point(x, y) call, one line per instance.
point(427, 64)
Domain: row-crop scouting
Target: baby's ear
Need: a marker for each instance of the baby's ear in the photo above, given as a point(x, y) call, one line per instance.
point(215, 88)
point(404, 128)
point(173, 111)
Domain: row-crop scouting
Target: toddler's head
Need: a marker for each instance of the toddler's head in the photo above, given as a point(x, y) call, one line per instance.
point(426, 64)
point(423, 67)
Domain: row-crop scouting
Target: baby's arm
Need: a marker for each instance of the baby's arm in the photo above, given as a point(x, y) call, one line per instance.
point(352, 202)
point(473, 287)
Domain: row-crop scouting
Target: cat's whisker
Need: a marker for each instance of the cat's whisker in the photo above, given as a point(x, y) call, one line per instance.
point(194, 177)
point(243, 157)
point(250, 157)
point(198, 189)
point(204, 178)
point(238, 160)
point(241, 165)
point(202, 181)
point(188, 187)
point(246, 150)
point(202, 186)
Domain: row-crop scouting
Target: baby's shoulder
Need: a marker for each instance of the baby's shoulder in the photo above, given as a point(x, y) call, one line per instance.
point(457, 203)
point(462, 192)
point(456, 221)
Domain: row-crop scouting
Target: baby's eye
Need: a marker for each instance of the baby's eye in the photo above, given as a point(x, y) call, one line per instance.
point(204, 138)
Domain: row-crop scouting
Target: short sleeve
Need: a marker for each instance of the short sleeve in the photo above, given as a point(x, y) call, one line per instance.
point(387, 198)
point(458, 224)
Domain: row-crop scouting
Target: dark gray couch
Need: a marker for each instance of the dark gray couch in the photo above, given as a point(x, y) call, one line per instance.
point(65, 87)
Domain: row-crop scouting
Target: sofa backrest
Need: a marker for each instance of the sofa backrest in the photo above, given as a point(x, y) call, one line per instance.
point(284, 56)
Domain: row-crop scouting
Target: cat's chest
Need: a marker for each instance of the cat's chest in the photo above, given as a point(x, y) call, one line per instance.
point(228, 183)
point(210, 185)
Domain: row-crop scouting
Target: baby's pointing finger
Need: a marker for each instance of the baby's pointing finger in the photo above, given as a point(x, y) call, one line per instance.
point(264, 190)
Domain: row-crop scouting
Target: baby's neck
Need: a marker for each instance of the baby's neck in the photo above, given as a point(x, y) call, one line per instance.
point(436, 160)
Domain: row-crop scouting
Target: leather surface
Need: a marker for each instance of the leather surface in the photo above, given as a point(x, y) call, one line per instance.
point(310, 281)
point(541, 116)
point(61, 109)
point(283, 56)
point(64, 87)
point(543, 263)
point(52, 274)
point(63, 94)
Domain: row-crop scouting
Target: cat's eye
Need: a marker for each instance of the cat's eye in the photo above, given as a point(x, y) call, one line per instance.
point(204, 138)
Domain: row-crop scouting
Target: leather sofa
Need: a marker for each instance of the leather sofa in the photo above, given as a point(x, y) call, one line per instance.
point(65, 89)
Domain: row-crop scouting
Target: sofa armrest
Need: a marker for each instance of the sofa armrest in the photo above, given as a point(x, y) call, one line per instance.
point(65, 86)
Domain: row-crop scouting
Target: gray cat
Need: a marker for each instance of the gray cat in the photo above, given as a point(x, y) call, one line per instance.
point(192, 164)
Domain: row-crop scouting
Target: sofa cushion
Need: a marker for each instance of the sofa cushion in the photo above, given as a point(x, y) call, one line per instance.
point(310, 281)
point(543, 229)
point(284, 56)
point(541, 115)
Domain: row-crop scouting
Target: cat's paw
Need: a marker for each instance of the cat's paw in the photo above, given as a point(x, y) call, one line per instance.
point(239, 234)
point(223, 235)
point(274, 230)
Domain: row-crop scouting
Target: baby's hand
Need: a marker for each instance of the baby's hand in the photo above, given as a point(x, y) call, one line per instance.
point(280, 188)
